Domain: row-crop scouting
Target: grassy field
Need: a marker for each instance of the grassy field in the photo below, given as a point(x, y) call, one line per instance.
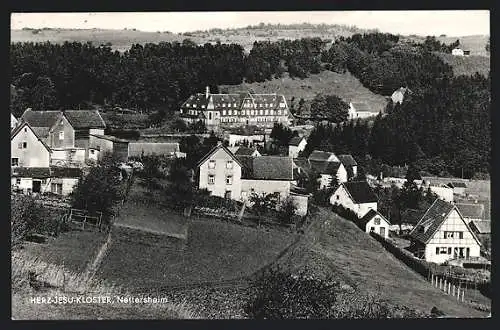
point(475, 43)
point(121, 40)
point(214, 251)
point(336, 246)
point(74, 249)
point(346, 86)
point(143, 211)
point(467, 65)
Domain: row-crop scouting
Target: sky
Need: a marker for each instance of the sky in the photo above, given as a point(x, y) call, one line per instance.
point(435, 22)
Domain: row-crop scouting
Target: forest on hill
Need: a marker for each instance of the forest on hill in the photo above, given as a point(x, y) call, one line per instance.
point(446, 118)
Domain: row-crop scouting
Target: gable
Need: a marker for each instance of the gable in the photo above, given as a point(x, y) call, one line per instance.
point(453, 222)
point(18, 134)
point(219, 152)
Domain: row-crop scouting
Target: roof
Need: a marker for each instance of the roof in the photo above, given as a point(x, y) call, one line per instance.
point(432, 220)
point(471, 211)
point(47, 172)
point(361, 107)
point(214, 149)
point(347, 160)
point(84, 119)
point(20, 127)
point(320, 155)
point(411, 216)
point(457, 184)
point(370, 214)
point(40, 118)
point(31, 172)
point(247, 166)
point(272, 168)
point(109, 138)
point(243, 151)
point(42, 132)
point(482, 226)
point(324, 167)
point(233, 101)
point(150, 148)
point(295, 141)
point(360, 192)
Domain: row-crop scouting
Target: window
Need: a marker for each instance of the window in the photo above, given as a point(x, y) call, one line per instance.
point(372, 229)
point(18, 181)
point(25, 130)
point(443, 250)
point(20, 145)
point(284, 112)
point(223, 105)
point(460, 234)
point(271, 104)
point(211, 179)
point(244, 195)
point(61, 135)
point(229, 179)
point(437, 250)
point(279, 112)
point(92, 151)
point(227, 195)
point(14, 162)
point(194, 105)
point(187, 105)
point(338, 197)
point(229, 164)
point(376, 221)
point(229, 112)
point(448, 234)
point(235, 105)
point(242, 112)
point(223, 112)
point(261, 112)
point(203, 106)
point(211, 164)
point(25, 145)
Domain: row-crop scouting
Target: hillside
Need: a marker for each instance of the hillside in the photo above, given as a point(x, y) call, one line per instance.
point(467, 65)
point(345, 85)
point(475, 43)
point(122, 39)
point(337, 247)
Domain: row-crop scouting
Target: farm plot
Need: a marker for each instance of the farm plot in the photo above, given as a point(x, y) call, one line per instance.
point(215, 251)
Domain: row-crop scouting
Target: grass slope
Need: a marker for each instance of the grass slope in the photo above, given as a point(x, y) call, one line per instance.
point(214, 251)
point(336, 246)
point(74, 249)
point(467, 65)
point(345, 86)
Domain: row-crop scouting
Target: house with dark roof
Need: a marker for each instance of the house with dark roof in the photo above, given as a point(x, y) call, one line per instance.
point(360, 110)
point(41, 121)
point(323, 164)
point(482, 228)
point(357, 196)
point(237, 109)
point(443, 234)
point(350, 165)
point(100, 144)
point(238, 177)
point(374, 221)
point(296, 145)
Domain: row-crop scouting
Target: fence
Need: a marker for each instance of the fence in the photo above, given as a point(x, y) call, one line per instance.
point(465, 290)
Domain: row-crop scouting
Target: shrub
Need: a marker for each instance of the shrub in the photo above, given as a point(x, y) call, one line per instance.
point(286, 212)
point(279, 294)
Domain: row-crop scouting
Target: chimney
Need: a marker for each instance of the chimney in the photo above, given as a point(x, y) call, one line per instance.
point(207, 92)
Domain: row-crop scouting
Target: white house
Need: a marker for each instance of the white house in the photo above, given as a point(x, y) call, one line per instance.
point(443, 234)
point(457, 52)
point(350, 165)
point(57, 180)
point(357, 196)
point(375, 222)
point(327, 171)
point(250, 135)
point(399, 94)
point(360, 110)
point(319, 155)
point(458, 187)
point(220, 173)
point(27, 149)
point(296, 145)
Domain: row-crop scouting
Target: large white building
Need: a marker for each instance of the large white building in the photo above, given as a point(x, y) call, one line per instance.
point(232, 110)
point(443, 234)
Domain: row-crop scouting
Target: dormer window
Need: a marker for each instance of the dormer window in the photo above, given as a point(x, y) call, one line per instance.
point(223, 105)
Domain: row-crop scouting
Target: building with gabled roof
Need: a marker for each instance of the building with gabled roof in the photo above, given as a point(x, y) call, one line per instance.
point(319, 155)
point(357, 196)
point(244, 151)
point(237, 109)
point(296, 145)
point(443, 234)
point(238, 177)
point(56, 180)
point(399, 94)
point(41, 121)
point(350, 165)
point(27, 149)
point(360, 110)
point(374, 221)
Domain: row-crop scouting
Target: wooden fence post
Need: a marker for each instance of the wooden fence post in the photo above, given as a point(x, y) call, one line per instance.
point(453, 294)
point(449, 287)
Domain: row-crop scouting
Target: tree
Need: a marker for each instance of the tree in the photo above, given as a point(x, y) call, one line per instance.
point(99, 190)
point(281, 134)
point(287, 210)
point(329, 107)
